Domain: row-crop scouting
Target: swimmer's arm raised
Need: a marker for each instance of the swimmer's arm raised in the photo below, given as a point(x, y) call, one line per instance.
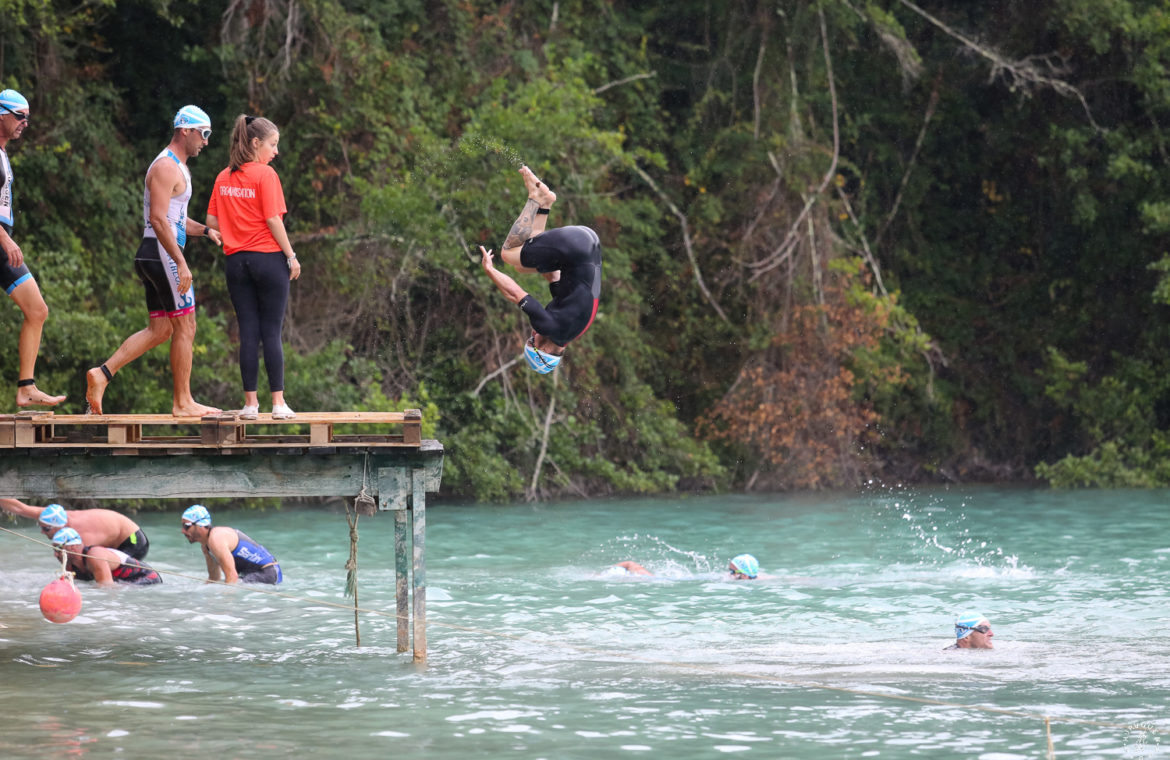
point(20, 509)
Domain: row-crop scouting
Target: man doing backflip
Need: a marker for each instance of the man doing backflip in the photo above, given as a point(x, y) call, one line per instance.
point(170, 296)
point(568, 257)
point(14, 275)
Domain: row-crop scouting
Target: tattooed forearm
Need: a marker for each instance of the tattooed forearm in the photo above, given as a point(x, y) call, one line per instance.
point(522, 228)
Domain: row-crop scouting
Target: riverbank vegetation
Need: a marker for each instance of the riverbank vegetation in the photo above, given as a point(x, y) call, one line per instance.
point(844, 239)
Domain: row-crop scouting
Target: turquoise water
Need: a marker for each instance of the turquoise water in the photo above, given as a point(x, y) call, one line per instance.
point(536, 653)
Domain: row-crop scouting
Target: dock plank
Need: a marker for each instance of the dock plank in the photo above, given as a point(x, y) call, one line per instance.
point(129, 433)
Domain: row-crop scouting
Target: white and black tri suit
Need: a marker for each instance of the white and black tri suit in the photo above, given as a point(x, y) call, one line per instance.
point(10, 276)
point(155, 267)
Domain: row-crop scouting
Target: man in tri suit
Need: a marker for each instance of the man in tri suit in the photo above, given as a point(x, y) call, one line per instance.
point(14, 275)
point(229, 552)
point(568, 257)
point(170, 296)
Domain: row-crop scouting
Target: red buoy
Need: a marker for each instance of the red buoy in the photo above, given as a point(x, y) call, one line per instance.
point(60, 600)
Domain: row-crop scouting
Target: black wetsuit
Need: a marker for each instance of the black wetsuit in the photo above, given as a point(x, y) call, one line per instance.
point(136, 546)
point(576, 252)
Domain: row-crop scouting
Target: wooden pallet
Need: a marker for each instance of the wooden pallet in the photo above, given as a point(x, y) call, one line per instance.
point(133, 432)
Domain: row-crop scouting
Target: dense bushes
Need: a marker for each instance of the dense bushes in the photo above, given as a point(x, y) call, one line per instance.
point(834, 249)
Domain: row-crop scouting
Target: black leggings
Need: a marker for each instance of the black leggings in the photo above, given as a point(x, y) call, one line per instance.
point(258, 284)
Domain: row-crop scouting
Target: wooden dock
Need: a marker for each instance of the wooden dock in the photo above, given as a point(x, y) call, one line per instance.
point(381, 455)
point(134, 433)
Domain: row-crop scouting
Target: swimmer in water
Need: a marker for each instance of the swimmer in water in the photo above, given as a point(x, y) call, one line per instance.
point(229, 552)
point(98, 527)
point(972, 631)
point(101, 564)
point(632, 568)
point(743, 567)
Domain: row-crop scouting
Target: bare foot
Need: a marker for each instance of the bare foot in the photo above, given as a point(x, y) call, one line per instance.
point(544, 197)
point(537, 190)
point(95, 388)
point(193, 410)
point(29, 395)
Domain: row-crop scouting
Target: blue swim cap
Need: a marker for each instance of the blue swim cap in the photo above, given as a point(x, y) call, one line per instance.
point(66, 537)
point(967, 622)
point(13, 100)
point(198, 514)
point(192, 117)
point(539, 360)
point(54, 516)
point(746, 564)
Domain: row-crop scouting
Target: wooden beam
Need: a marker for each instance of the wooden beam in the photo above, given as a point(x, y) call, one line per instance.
point(283, 473)
point(55, 431)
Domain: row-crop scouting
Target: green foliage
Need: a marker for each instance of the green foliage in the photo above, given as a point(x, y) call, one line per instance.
point(1120, 417)
point(1022, 246)
point(1112, 465)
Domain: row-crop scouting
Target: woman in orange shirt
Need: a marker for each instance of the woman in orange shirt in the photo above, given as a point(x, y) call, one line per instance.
point(247, 207)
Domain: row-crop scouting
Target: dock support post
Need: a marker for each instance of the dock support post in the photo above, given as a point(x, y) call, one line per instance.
point(401, 591)
point(419, 572)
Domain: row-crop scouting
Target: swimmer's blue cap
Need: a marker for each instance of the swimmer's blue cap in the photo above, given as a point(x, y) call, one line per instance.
point(746, 564)
point(198, 514)
point(13, 100)
point(191, 117)
point(54, 516)
point(539, 360)
point(967, 622)
point(66, 537)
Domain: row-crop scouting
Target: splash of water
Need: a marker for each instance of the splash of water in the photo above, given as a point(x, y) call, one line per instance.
point(446, 162)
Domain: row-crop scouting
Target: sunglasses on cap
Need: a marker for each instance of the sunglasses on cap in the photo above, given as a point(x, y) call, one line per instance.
point(19, 116)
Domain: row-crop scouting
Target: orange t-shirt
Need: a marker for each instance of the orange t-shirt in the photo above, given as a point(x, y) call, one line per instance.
point(243, 201)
